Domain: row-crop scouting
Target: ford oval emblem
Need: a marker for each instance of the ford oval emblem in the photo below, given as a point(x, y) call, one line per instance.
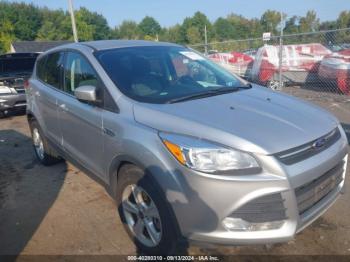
point(319, 143)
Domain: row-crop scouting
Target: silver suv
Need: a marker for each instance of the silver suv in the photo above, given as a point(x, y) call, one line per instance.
point(188, 150)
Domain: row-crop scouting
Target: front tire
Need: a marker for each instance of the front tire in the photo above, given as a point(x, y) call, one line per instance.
point(42, 150)
point(273, 84)
point(144, 212)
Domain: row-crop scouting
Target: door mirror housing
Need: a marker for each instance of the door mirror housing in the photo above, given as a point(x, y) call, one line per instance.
point(86, 93)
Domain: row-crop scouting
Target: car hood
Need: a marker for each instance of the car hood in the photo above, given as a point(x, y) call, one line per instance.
point(255, 120)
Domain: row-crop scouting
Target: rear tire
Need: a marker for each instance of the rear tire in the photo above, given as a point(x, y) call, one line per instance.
point(140, 202)
point(42, 150)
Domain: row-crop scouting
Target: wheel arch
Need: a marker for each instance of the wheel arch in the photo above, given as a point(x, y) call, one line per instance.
point(116, 165)
point(114, 169)
point(30, 116)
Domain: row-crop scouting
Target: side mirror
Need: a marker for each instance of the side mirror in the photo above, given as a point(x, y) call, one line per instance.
point(86, 93)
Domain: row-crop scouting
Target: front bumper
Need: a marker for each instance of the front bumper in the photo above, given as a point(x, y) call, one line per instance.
point(12, 102)
point(206, 200)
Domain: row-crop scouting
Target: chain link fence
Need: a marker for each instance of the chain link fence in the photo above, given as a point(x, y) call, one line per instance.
point(317, 63)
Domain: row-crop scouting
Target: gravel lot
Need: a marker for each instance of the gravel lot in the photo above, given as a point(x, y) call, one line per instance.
point(59, 210)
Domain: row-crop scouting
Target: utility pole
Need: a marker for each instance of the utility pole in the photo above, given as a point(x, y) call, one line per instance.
point(205, 40)
point(281, 52)
point(74, 27)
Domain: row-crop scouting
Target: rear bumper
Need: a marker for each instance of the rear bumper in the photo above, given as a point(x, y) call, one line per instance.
point(12, 102)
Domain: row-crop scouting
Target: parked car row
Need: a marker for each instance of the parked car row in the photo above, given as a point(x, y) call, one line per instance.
point(336, 68)
point(303, 63)
point(238, 63)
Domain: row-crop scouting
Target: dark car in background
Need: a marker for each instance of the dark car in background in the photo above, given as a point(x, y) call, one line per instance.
point(15, 69)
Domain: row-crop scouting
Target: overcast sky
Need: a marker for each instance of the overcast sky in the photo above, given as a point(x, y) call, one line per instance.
point(170, 12)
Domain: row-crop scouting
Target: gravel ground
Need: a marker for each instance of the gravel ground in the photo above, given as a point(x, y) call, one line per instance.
point(60, 211)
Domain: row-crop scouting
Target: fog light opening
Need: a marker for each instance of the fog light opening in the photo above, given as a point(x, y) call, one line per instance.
point(238, 224)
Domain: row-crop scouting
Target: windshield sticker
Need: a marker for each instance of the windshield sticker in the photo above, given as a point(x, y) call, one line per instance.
point(192, 55)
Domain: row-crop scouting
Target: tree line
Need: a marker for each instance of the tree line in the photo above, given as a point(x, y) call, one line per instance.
point(21, 21)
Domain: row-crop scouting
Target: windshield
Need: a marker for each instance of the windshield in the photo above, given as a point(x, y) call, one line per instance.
point(161, 74)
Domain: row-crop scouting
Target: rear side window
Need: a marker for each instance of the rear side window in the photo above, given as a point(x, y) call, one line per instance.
point(78, 72)
point(53, 68)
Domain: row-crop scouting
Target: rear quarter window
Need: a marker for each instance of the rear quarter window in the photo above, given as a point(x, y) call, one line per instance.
point(54, 69)
point(40, 68)
point(51, 71)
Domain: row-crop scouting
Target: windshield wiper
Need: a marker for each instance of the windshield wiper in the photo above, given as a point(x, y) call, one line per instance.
point(208, 93)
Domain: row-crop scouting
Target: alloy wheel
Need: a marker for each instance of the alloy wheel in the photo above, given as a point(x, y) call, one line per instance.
point(141, 215)
point(38, 144)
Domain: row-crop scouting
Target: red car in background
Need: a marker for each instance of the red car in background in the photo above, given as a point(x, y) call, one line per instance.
point(336, 67)
point(300, 64)
point(236, 62)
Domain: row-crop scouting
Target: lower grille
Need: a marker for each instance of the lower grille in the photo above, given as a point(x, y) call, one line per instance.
point(311, 193)
point(263, 209)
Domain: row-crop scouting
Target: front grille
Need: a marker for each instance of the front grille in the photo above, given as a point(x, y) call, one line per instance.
point(300, 153)
point(15, 83)
point(21, 102)
point(313, 192)
point(263, 209)
point(20, 90)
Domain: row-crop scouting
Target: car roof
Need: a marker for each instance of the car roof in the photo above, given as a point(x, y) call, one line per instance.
point(112, 44)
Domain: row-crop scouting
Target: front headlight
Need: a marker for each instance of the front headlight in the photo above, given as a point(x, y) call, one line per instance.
point(206, 156)
point(5, 90)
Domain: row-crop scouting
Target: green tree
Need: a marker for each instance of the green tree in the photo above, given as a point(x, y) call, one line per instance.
point(25, 18)
point(172, 34)
point(84, 29)
point(128, 30)
point(255, 28)
point(55, 26)
point(292, 26)
point(241, 26)
point(94, 25)
point(270, 20)
point(328, 25)
point(343, 20)
point(198, 21)
point(193, 35)
point(224, 30)
point(6, 35)
point(22, 21)
point(114, 33)
point(309, 23)
point(149, 27)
